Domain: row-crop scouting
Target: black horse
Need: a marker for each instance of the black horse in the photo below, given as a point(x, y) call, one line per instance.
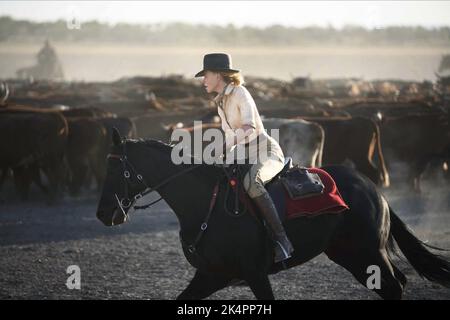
point(231, 249)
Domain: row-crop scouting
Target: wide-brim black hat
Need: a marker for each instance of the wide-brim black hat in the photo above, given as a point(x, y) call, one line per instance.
point(216, 62)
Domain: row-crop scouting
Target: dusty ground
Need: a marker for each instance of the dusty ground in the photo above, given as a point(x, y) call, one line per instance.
point(143, 259)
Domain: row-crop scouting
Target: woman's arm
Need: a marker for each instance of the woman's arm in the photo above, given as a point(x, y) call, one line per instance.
point(234, 137)
point(247, 111)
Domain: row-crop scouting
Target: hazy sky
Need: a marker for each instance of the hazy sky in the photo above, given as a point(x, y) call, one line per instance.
point(257, 13)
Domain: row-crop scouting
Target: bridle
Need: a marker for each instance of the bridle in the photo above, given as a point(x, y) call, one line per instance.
point(127, 201)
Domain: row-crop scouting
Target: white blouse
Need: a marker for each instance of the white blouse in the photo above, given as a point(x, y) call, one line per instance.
point(239, 109)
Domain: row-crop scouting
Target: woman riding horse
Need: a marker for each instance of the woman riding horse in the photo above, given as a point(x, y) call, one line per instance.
point(239, 114)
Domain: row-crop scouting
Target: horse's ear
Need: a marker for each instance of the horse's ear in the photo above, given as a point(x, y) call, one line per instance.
point(116, 138)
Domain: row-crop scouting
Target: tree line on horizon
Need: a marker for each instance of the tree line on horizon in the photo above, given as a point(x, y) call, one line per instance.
point(12, 30)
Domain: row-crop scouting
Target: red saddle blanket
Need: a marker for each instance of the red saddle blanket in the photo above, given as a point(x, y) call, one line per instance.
point(330, 201)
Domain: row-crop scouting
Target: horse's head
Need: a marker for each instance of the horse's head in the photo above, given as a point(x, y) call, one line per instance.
point(121, 185)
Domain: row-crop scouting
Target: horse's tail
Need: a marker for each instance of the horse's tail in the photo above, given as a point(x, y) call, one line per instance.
point(133, 131)
point(433, 267)
point(381, 162)
point(319, 158)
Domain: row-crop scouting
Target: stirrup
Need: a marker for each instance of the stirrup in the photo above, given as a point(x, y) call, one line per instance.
point(286, 254)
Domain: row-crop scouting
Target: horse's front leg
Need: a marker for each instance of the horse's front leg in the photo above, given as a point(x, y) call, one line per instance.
point(203, 285)
point(260, 285)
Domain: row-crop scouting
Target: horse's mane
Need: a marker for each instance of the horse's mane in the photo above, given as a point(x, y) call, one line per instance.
point(150, 143)
point(167, 149)
point(157, 144)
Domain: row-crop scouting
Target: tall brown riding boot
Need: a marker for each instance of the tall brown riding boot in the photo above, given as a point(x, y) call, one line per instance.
point(284, 248)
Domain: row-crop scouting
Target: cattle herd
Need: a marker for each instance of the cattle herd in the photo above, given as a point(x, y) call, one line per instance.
point(58, 149)
point(54, 136)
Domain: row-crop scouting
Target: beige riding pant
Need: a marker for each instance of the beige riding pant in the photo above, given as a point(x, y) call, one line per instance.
point(264, 169)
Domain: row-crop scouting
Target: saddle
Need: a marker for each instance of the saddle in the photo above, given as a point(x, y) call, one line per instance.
point(297, 191)
point(298, 181)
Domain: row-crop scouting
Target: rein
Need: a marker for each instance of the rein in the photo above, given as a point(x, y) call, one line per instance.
point(234, 181)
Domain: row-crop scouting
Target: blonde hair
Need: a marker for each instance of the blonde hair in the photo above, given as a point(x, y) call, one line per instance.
point(232, 77)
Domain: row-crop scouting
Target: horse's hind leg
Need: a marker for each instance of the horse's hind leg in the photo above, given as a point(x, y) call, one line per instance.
point(203, 285)
point(358, 264)
point(392, 279)
point(399, 275)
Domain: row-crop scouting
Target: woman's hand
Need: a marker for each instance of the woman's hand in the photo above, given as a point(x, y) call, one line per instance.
point(224, 149)
point(240, 134)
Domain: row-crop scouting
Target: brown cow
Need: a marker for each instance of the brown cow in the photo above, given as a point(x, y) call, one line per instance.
point(30, 140)
point(90, 168)
point(355, 140)
point(88, 112)
point(86, 146)
point(415, 140)
point(378, 109)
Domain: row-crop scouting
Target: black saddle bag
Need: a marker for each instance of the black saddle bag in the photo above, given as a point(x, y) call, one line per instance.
point(300, 183)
